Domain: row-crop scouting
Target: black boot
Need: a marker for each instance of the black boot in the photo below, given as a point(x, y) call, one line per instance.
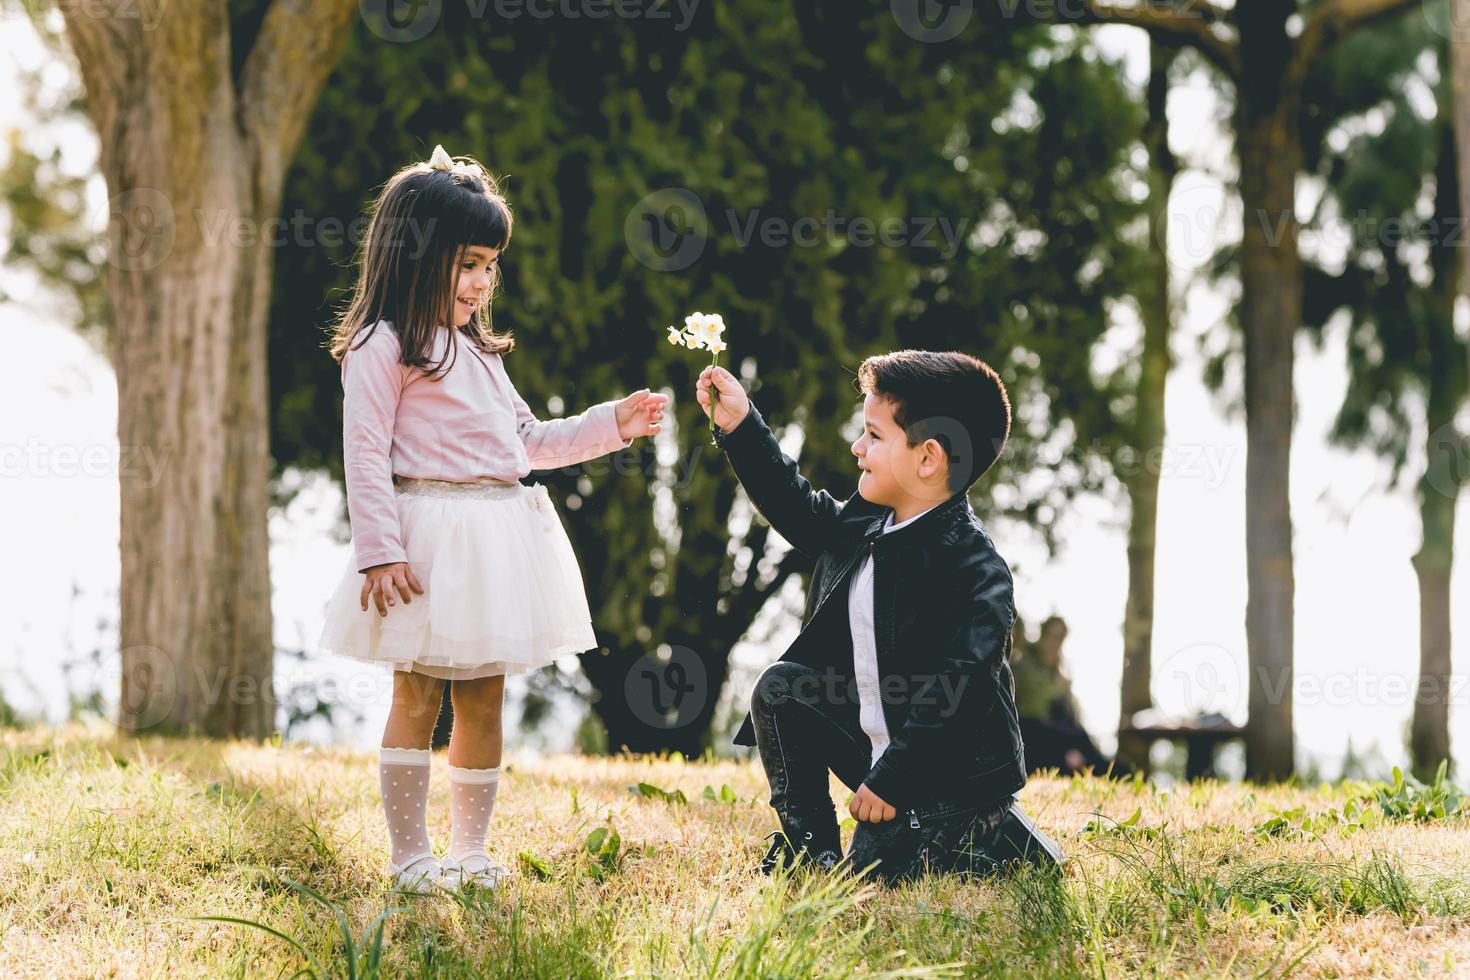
point(806, 839)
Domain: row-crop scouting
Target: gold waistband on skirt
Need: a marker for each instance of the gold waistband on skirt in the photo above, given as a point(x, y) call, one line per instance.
point(482, 490)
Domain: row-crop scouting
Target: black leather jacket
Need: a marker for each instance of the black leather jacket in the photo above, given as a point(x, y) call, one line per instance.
point(942, 617)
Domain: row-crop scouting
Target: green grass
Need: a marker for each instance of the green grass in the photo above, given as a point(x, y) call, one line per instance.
point(190, 858)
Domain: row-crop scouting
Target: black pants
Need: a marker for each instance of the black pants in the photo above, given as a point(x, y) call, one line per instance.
point(802, 732)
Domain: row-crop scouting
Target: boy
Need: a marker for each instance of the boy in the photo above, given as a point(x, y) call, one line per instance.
point(899, 681)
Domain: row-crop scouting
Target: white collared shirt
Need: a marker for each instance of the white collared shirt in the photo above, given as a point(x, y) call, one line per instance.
point(865, 647)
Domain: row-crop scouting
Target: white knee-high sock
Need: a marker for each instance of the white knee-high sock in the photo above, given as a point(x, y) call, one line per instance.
point(471, 801)
point(403, 775)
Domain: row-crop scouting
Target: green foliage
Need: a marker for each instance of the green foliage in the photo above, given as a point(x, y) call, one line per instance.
point(649, 791)
point(600, 856)
point(50, 230)
point(604, 854)
point(537, 865)
point(652, 792)
point(1020, 141)
point(1380, 150)
point(725, 795)
point(1102, 825)
point(1296, 823)
point(762, 109)
point(1407, 799)
point(354, 965)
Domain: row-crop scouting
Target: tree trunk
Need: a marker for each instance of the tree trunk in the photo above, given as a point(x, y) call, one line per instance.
point(1460, 84)
point(1268, 143)
point(1142, 485)
point(1439, 488)
point(194, 159)
point(1429, 734)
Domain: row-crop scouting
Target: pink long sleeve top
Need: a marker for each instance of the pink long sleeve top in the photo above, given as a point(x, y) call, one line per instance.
point(468, 425)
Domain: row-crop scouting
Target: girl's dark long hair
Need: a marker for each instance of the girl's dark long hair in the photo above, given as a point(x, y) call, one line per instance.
point(420, 223)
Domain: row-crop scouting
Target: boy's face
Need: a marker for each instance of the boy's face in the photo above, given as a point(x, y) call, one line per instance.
point(472, 283)
point(895, 474)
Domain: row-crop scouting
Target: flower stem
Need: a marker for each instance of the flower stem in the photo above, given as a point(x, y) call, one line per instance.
point(714, 392)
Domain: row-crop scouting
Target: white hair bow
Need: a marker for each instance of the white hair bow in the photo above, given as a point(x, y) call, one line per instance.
point(440, 160)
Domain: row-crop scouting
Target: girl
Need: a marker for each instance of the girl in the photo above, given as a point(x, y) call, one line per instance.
point(460, 573)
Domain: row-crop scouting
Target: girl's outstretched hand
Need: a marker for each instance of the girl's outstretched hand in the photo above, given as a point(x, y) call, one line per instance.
point(640, 414)
point(731, 403)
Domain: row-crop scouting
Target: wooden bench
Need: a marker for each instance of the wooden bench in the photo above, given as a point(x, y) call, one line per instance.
point(1201, 735)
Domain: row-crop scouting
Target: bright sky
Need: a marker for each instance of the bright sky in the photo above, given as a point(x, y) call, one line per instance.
point(1356, 603)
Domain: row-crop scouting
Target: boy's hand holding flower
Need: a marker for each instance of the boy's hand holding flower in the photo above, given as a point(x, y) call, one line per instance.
point(731, 402)
point(640, 414)
point(703, 331)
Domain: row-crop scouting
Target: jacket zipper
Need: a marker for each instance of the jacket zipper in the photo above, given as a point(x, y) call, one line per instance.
point(839, 576)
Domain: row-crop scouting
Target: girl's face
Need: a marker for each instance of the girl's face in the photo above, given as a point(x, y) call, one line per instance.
point(472, 284)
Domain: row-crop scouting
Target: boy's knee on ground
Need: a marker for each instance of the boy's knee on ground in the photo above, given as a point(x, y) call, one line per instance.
point(779, 680)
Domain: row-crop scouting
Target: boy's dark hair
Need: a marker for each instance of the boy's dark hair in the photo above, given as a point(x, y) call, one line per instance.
point(953, 398)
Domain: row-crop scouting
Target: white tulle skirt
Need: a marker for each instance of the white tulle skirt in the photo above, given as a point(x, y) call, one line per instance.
point(503, 593)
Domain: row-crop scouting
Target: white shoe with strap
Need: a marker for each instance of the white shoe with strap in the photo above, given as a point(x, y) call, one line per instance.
point(417, 875)
point(480, 870)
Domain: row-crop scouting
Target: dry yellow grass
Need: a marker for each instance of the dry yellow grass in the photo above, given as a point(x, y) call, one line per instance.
point(109, 847)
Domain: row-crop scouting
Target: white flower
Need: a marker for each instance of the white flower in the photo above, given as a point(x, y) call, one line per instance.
point(707, 327)
point(702, 331)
